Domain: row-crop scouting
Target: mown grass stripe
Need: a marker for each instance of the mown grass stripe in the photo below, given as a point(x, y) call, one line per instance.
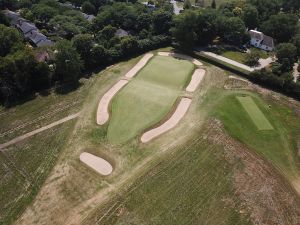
point(258, 118)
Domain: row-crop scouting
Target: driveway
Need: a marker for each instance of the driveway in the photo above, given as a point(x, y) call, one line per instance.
point(176, 8)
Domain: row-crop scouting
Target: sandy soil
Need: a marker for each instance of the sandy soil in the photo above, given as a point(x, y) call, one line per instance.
point(131, 73)
point(197, 77)
point(181, 109)
point(102, 112)
point(98, 164)
point(181, 56)
point(29, 134)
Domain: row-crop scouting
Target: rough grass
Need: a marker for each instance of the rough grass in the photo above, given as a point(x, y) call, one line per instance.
point(25, 166)
point(279, 146)
point(190, 186)
point(255, 113)
point(148, 97)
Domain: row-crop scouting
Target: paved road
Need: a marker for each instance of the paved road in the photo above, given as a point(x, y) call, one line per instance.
point(296, 73)
point(27, 135)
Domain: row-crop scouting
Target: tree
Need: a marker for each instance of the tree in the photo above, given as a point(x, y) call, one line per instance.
point(250, 16)
point(266, 8)
point(161, 21)
point(213, 4)
point(9, 37)
point(232, 30)
point(281, 27)
point(43, 12)
point(68, 62)
point(187, 4)
point(252, 58)
point(83, 44)
point(296, 42)
point(128, 45)
point(286, 54)
point(185, 27)
point(88, 8)
point(3, 19)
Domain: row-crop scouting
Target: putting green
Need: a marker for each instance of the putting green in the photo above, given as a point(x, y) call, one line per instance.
point(255, 113)
point(148, 97)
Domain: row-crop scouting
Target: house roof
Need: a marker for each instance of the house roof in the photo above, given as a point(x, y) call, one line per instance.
point(88, 17)
point(45, 42)
point(121, 33)
point(268, 41)
point(256, 35)
point(12, 16)
point(25, 26)
point(38, 38)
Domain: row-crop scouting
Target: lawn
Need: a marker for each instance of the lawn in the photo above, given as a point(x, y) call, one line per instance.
point(255, 113)
point(279, 145)
point(148, 97)
point(235, 55)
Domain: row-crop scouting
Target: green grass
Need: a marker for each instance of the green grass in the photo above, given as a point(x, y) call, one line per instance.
point(24, 168)
point(186, 187)
point(148, 97)
point(255, 113)
point(236, 56)
point(279, 145)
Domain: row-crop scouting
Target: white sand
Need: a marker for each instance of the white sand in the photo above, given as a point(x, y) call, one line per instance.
point(102, 112)
point(131, 73)
point(197, 77)
point(180, 111)
point(98, 164)
point(181, 56)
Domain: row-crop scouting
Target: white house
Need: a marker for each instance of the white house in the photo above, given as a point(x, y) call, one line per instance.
point(259, 40)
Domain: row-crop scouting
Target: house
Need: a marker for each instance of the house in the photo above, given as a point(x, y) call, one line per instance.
point(38, 39)
point(121, 33)
point(25, 27)
point(88, 17)
point(12, 16)
point(259, 40)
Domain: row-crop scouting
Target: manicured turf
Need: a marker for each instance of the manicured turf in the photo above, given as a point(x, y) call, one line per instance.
point(279, 145)
point(148, 97)
point(255, 114)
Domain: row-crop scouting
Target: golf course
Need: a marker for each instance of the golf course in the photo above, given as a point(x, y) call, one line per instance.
point(162, 138)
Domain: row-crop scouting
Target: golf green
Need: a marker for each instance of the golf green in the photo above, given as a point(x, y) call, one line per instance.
point(255, 113)
point(148, 97)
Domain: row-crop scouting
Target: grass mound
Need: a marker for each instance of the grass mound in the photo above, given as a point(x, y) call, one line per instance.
point(148, 97)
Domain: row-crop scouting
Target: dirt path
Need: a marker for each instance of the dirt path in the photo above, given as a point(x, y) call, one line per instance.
point(102, 112)
point(96, 163)
point(180, 111)
point(181, 56)
point(131, 73)
point(27, 135)
point(197, 77)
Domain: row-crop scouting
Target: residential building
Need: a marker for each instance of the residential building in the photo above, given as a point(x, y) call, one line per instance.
point(259, 40)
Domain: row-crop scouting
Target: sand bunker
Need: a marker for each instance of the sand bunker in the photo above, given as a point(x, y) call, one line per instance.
point(170, 123)
point(196, 80)
point(98, 164)
point(181, 56)
point(131, 73)
point(103, 111)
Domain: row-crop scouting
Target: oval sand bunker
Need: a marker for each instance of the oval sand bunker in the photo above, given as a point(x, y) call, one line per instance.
point(98, 164)
point(180, 111)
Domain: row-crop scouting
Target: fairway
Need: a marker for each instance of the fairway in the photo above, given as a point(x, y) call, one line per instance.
point(255, 114)
point(148, 97)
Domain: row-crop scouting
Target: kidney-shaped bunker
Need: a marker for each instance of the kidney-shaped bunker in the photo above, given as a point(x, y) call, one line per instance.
point(98, 164)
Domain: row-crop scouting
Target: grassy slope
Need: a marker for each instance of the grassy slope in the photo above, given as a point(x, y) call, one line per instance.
point(147, 98)
point(188, 187)
point(279, 146)
point(25, 166)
